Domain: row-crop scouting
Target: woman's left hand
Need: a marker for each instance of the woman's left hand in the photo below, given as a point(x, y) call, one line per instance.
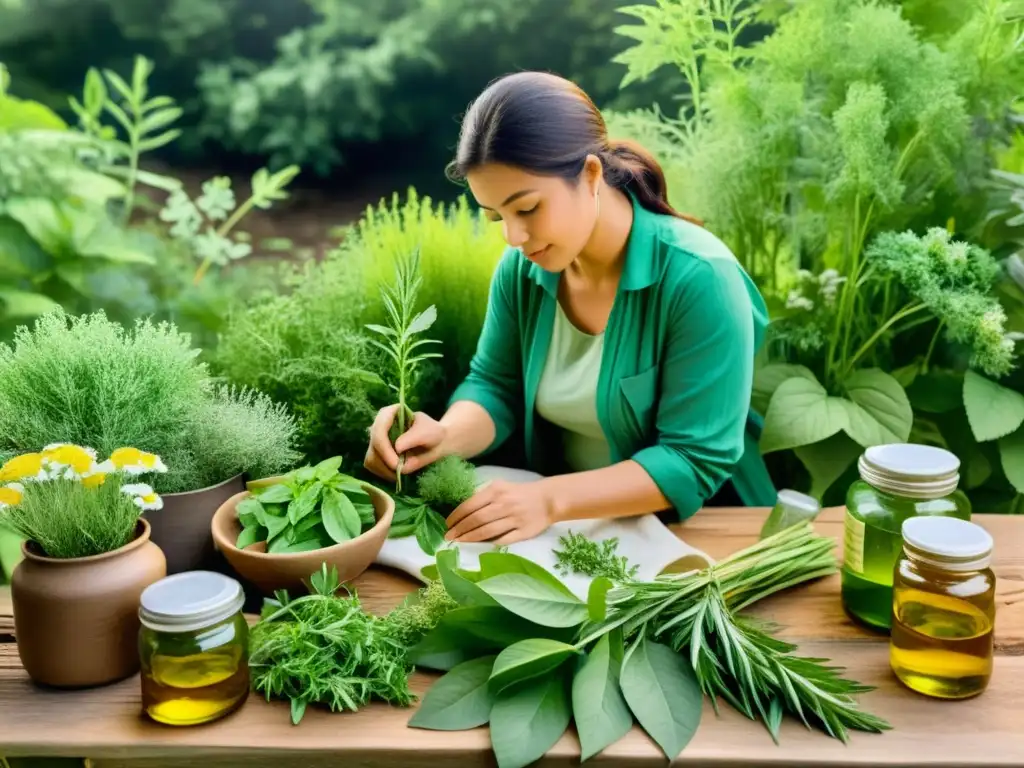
point(503, 512)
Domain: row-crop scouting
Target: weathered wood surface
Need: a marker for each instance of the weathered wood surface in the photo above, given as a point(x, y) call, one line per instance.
point(106, 726)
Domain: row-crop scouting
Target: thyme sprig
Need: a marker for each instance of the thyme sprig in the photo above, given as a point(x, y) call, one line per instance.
point(581, 555)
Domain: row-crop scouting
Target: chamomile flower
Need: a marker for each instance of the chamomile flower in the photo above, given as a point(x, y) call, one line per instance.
point(11, 494)
point(143, 496)
point(71, 462)
point(132, 461)
point(27, 467)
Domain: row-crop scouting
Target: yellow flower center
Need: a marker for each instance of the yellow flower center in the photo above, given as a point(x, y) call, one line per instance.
point(71, 455)
point(10, 495)
point(26, 465)
point(128, 457)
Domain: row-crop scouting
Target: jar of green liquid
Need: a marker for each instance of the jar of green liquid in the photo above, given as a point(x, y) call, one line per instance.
point(897, 482)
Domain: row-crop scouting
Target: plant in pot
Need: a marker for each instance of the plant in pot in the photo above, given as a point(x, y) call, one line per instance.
point(89, 381)
point(283, 528)
point(87, 557)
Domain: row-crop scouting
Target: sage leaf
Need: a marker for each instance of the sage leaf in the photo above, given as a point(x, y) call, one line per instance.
point(601, 714)
point(879, 411)
point(828, 460)
point(597, 598)
point(993, 411)
point(496, 563)
point(460, 700)
point(527, 720)
point(461, 589)
point(447, 645)
point(768, 378)
point(327, 468)
point(305, 503)
point(801, 413)
point(663, 693)
point(536, 601)
point(276, 494)
point(341, 518)
point(430, 531)
point(493, 624)
point(528, 658)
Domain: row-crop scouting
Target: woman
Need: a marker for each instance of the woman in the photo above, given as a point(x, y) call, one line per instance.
point(619, 336)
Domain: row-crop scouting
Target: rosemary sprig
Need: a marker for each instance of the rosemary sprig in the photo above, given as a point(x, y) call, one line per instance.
point(400, 342)
point(590, 558)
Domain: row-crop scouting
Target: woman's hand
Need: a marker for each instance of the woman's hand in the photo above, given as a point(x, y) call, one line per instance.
point(503, 512)
point(422, 444)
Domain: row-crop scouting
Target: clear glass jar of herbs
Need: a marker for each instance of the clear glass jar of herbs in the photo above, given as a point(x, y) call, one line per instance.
point(194, 648)
point(944, 608)
point(897, 482)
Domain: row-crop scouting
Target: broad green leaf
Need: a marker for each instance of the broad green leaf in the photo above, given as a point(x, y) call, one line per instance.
point(827, 461)
point(1011, 456)
point(536, 601)
point(305, 475)
point(451, 643)
point(927, 432)
point(276, 525)
point(496, 563)
point(663, 693)
point(495, 625)
point(305, 503)
point(906, 375)
point(879, 411)
point(993, 410)
point(801, 413)
point(20, 254)
point(14, 303)
point(601, 714)
point(341, 519)
point(597, 598)
point(423, 320)
point(460, 700)
point(327, 468)
point(430, 531)
point(976, 468)
point(44, 220)
point(938, 391)
point(276, 494)
point(250, 512)
point(251, 535)
point(527, 720)
point(462, 590)
point(768, 379)
point(403, 530)
point(528, 658)
point(21, 114)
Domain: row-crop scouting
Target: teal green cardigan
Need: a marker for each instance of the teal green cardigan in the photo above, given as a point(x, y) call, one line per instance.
point(674, 388)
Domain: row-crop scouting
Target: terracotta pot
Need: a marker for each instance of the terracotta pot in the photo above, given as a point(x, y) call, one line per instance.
point(291, 571)
point(76, 620)
point(182, 528)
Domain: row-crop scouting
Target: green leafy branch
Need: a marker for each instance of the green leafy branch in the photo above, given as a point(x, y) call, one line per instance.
point(400, 342)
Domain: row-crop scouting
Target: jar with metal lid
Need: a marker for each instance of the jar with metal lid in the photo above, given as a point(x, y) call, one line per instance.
point(897, 482)
point(944, 608)
point(193, 647)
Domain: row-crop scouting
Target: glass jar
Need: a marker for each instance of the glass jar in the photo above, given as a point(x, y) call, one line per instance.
point(193, 647)
point(943, 608)
point(897, 482)
point(791, 508)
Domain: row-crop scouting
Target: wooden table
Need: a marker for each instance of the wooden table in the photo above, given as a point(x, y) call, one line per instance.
point(105, 726)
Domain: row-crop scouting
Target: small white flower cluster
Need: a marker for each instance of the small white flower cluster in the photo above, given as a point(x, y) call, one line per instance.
point(826, 285)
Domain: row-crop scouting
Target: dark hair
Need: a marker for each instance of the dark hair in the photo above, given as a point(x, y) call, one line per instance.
point(548, 125)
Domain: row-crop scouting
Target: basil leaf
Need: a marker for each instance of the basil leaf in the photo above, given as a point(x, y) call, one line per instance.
point(250, 511)
point(305, 503)
point(527, 720)
point(528, 658)
point(534, 600)
point(250, 536)
point(341, 519)
point(460, 700)
point(276, 494)
point(327, 468)
point(662, 691)
point(431, 531)
point(601, 714)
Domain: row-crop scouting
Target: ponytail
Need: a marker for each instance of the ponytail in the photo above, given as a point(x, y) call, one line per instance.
point(630, 167)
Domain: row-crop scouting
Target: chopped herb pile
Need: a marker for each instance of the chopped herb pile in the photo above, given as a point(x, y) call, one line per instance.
point(325, 649)
point(590, 558)
point(447, 483)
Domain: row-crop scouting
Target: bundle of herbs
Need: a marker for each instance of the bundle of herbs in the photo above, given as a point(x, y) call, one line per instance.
point(591, 558)
point(325, 649)
point(523, 654)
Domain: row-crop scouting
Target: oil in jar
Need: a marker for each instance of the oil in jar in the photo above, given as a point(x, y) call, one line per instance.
point(193, 648)
point(941, 641)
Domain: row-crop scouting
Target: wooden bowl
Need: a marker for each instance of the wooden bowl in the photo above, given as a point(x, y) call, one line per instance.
point(292, 570)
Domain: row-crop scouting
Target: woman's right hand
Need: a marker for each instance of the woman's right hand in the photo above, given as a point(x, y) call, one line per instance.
point(422, 444)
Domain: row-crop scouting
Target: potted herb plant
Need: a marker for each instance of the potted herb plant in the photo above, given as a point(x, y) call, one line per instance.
point(87, 557)
point(90, 381)
point(284, 528)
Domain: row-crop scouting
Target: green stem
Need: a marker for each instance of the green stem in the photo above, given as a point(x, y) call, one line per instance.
point(866, 346)
point(931, 346)
point(133, 171)
point(223, 231)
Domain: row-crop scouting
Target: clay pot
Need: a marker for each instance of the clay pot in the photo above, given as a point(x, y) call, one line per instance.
point(76, 619)
point(182, 528)
point(291, 570)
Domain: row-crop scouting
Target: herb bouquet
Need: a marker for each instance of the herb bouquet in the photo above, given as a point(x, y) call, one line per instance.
point(524, 655)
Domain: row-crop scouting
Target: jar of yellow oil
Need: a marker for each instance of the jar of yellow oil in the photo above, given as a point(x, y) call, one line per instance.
point(941, 643)
point(193, 647)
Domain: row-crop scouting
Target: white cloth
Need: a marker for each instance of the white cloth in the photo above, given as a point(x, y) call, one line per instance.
point(645, 542)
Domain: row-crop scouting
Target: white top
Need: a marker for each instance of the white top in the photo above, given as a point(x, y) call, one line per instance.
point(567, 393)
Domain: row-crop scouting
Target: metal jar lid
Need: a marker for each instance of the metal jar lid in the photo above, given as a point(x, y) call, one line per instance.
point(190, 601)
point(947, 542)
point(910, 470)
